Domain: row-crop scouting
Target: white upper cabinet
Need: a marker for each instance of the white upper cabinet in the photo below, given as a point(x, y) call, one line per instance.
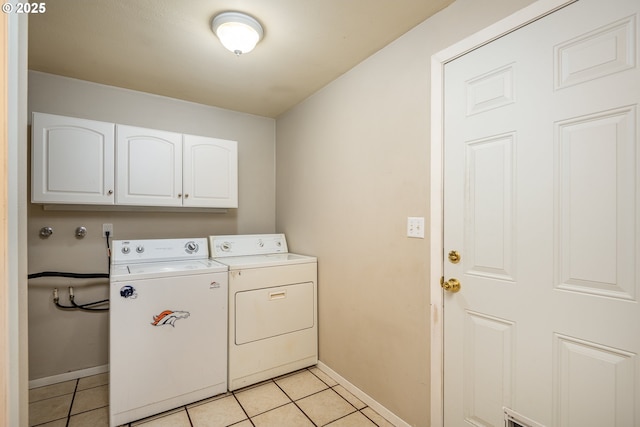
point(72, 160)
point(158, 168)
point(149, 167)
point(77, 161)
point(209, 172)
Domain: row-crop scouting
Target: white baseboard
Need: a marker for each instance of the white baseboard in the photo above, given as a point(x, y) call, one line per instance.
point(364, 397)
point(67, 376)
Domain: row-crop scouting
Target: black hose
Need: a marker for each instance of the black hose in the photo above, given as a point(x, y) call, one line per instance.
point(107, 234)
point(74, 305)
point(69, 275)
point(79, 307)
point(102, 301)
point(87, 306)
point(78, 275)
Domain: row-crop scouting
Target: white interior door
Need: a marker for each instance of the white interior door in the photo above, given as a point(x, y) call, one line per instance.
point(541, 184)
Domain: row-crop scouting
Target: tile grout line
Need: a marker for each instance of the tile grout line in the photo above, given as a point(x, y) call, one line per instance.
point(365, 415)
point(333, 387)
point(330, 387)
point(233, 393)
point(188, 416)
point(272, 380)
point(73, 398)
point(294, 402)
point(75, 392)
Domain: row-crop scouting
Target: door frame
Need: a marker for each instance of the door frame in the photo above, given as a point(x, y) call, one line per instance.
point(535, 11)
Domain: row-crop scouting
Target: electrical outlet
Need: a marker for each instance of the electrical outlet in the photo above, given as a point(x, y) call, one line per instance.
point(415, 227)
point(105, 228)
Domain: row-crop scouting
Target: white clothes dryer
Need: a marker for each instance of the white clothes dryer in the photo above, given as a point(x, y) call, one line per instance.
point(273, 315)
point(168, 326)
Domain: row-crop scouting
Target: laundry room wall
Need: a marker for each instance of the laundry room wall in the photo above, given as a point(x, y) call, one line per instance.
point(353, 164)
point(67, 341)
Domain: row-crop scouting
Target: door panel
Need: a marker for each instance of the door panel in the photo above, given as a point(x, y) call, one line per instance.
point(490, 178)
point(541, 200)
point(602, 397)
point(210, 173)
point(73, 160)
point(595, 203)
point(149, 167)
point(487, 366)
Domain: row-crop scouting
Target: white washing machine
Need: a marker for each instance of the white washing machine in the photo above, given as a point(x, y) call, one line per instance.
point(273, 316)
point(168, 326)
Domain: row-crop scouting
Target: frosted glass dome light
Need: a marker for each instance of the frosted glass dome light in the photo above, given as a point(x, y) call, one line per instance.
point(237, 32)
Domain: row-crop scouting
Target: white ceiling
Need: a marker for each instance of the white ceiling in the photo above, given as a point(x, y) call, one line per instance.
point(166, 47)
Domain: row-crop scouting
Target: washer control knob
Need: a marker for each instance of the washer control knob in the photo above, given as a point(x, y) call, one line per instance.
point(191, 247)
point(260, 243)
point(126, 249)
point(140, 249)
point(225, 246)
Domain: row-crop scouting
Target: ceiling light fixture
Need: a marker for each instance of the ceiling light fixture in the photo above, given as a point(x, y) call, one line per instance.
point(237, 32)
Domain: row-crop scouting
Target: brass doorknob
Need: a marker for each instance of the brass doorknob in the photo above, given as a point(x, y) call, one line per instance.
point(454, 257)
point(451, 285)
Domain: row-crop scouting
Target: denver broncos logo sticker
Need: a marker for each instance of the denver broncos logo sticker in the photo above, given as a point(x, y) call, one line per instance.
point(169, 317)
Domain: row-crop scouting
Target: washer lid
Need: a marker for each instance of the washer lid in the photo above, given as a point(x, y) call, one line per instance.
point(268, 260)
point(166, 269)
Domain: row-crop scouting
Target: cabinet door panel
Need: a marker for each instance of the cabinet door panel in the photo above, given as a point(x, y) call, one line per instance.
point(149, 167)
point(210, 174)
point(72, 160)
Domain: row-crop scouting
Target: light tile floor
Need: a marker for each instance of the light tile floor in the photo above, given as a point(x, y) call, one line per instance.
point(308, 397)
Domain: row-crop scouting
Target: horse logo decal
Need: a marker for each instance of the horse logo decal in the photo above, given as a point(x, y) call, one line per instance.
point(169, 317)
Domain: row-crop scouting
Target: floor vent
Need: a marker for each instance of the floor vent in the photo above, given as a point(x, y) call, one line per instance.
point(514, 419)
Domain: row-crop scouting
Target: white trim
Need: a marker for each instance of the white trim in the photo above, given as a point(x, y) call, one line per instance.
point(16, 304)
point(511, 23)
point(511, 415)
point(364, 397)
point(67, 376)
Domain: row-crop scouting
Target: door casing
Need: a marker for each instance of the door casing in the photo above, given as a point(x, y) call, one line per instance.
point(511, 23)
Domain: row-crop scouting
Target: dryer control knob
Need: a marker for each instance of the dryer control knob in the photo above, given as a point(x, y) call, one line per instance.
point(140, 249)
point(225, 246)
point(126, 249)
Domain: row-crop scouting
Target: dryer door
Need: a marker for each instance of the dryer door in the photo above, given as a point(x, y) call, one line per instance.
point(269, 312)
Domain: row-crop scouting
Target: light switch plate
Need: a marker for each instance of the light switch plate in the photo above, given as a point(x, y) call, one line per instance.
point(415, 227)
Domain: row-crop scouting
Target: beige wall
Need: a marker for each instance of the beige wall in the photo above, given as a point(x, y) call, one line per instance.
point(352, 165)
point(63, 341)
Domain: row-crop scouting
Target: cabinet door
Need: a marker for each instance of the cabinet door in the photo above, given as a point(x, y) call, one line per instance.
point(149, 167)
point(72, 160)
point(210, 172)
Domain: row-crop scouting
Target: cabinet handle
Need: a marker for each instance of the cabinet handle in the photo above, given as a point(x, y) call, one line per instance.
point(110, 192)
point(186, 196)
point(179, 195)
